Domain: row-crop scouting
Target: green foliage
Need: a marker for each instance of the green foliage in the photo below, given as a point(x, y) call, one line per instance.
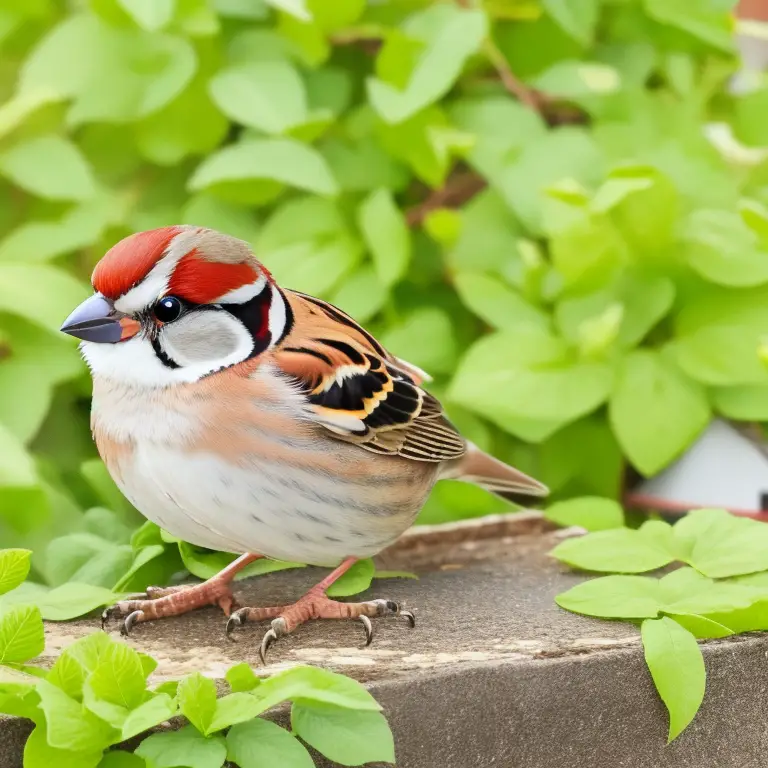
point(722, 591)
point(98, 694)
point(581, 262)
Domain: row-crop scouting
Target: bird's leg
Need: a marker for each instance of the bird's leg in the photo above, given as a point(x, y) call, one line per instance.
point(160, 602)
point(316, 605)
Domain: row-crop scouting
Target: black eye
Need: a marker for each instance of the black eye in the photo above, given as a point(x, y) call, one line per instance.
point(168, 309)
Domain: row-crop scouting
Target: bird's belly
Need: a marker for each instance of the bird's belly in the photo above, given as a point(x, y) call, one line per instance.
point(269, 508)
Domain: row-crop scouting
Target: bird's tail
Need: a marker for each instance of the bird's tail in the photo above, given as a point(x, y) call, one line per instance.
point(480, 468)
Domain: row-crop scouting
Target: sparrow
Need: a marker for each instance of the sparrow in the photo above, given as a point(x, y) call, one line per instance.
point(245, 417)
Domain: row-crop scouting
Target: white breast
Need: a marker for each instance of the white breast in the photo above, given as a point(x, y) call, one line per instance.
point(264, 508)
point(255, 504)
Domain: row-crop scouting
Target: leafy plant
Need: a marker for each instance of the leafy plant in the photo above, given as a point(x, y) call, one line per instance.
point(97, 695)
point(722, 591)
point(524, 198)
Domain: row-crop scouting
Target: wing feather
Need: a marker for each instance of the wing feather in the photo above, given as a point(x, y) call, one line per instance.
point(358, 391)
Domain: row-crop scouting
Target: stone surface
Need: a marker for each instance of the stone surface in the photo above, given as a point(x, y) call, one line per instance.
point(494, 673)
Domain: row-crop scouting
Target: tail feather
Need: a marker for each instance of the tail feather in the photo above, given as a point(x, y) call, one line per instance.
point(495, 476)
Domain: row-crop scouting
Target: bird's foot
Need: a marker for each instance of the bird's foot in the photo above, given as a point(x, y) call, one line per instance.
point(314, 605)
point(160, 602)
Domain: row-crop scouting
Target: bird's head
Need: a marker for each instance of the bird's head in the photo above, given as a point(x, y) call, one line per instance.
point(175, 304)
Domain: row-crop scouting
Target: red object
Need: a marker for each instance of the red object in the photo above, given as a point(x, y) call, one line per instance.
point(128, 262)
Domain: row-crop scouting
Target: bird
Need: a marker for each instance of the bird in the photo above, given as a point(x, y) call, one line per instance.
point(248, 418)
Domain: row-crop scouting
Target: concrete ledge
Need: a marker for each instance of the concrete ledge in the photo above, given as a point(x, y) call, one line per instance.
point(494, 673)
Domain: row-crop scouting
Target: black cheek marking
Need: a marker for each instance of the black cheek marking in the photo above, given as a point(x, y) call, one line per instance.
point(161, 355)
point(254, 315)
point(289, 318)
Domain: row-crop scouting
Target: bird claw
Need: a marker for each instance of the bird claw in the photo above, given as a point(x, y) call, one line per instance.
point(366, 622)
point(237, 619)
point(106, 615)
point(129, 622)
point(276, 631)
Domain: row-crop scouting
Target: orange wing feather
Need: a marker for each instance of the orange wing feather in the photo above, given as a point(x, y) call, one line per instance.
point(359, 391)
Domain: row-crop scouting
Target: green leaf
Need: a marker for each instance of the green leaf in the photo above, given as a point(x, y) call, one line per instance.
point(502, 128)
point(297, 8)
point(87, 559)
point(120, 759)
point(87, 651)
point(724, 250)
point(149, 14)
point(701, 627)
point(578, 80)
point(576, 19)
point(127, 74)
point(197, 700)
point(362, 294)
point(68, 674)
point(590, 512)
point(261, 744)
point(500, 306)
point(69, 724)
point(705, 20)
point(71, 600)
point(185, 747)
point(242, 678)
point(455, 35)
point(256, 170)
point(528, 374)
point(14, 567)
point(686, 591)
point(188, 125)
point(719, 544)
point(29, 165)
point(644, 300)
point(234, 708)
point(152, 712)
point(119, 677)
point(314, 685)
point(21, 634)
point(345, 736)
point(721, 355)
point(748, 402)
point(386, 235)
point(621, 550)
point(614, 597)
point(677, 667)
point(38, 753)
point(425, 338)
point(655, 410)
point(357, 579)
point(567, 153)
point(267, 95)
point(20, 283)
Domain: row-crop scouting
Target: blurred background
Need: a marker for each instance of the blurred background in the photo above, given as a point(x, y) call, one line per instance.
point(559, 209)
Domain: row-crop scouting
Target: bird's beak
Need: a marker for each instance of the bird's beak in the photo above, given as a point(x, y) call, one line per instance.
point(97, 320)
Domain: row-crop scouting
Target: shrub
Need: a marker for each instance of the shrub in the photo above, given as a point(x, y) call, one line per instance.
point(533, 201)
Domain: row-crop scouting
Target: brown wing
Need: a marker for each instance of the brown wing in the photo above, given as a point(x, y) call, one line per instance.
point(358, 391)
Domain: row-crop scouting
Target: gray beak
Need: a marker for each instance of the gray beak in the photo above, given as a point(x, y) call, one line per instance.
point(94, 320)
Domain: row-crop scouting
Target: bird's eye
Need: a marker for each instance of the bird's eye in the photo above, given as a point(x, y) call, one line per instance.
point(168, 309)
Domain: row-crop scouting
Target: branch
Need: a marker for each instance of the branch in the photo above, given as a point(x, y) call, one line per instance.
point(533, 99)
point(458, 189)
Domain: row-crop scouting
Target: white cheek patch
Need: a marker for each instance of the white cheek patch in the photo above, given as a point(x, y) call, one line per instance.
point(213, 338)
point(200, 344)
